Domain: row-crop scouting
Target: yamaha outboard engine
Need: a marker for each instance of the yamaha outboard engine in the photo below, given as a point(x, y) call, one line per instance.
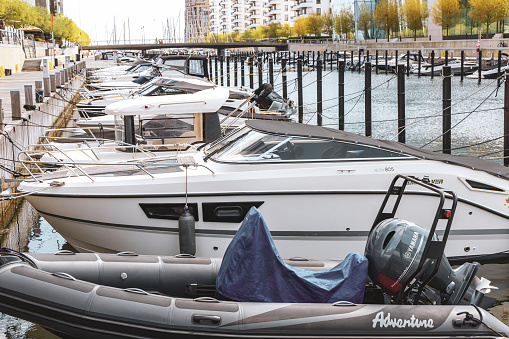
point(394, 250)
point(267, 99)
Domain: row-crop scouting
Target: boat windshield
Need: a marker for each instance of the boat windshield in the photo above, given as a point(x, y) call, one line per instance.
point(255, 146)
point(156, 90)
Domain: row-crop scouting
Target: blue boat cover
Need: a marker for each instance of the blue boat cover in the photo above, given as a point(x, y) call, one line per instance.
point(252, 270)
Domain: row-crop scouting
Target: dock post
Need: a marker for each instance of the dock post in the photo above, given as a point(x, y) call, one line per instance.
point(386, 65)
point(221, 65)
point(235, 72)
point(359, 62)
point(446, 104)
point(299, 90)
point(376, 62)
point(29, 98)
point(462, 70)
point(216, 71)
point(39, 92)
point(499, 73)
point(47, 89)
point(419, 64)
point(367, 99)
point(228, 73)
point(251, 73)
point(506, 119)
point(401, 105)
point(341, 95)
point(1, 117)
point(16, 105)
point(432, 64)
point(332, 61)
point(242, 73)
point(66, 75)
point(351, 61)
point(480, 67)
point(271, 72)
point(260, 72)
point(58, 81)
point(447, 58)
point(284, 79)
point(319, 92)
point(210, 69)
point(407, 63)
point(53, 83)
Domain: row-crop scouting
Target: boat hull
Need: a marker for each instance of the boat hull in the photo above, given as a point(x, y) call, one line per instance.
point(323, 216)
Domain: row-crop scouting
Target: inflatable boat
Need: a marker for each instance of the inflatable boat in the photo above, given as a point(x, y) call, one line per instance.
point(402, 286)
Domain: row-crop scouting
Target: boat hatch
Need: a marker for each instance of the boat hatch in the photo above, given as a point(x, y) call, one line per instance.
point(168, 211)
point(255, 146)
point(480, 186)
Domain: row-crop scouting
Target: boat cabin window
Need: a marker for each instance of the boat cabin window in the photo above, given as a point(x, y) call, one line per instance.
point(158, 132)
point(175, 62)
point(162, 90)
point(254, 146)
point(196, 67)
point(140, 68)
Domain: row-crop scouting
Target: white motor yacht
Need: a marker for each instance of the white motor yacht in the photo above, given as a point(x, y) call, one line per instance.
point(320, 187)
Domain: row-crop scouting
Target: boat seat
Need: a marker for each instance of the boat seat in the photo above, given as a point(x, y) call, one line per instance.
point(334, 152)
point(252, 270)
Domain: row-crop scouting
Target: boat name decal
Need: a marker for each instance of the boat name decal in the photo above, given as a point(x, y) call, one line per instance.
point(433, 181)
point(408, 252)
point(413, 322)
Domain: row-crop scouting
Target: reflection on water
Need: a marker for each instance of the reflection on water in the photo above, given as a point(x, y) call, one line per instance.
point(30, 232)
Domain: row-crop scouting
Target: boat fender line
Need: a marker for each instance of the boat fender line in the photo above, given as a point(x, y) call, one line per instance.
point(472, 321)
point(10, 252)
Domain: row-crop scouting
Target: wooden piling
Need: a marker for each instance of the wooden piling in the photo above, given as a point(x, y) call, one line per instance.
point(53, 83)
point(46, 85)
point(271, 72)
point(16, 105)
point(367, 99)
point(446, 104)
point(216, 71)
point(319, 92)
point(221, 70)
point(376, 61)
point(480, 66)
point(251, 73)
point(260, 72)
point(235, 72)
point(462, 65)
point(401, 105)
point(499, 65)
point(299, 91)
point(419, 64)
point(432, 64)
point(39, 92)
point(228, 73)
point(386, 64)
point(29, 98)
point(341, 94)
point(407, 63)
point(284, 78)
point(242, 72)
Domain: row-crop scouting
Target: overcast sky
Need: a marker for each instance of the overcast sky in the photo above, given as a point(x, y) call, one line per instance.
point(146, 18)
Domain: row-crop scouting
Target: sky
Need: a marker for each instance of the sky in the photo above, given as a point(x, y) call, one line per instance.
point(143, 20)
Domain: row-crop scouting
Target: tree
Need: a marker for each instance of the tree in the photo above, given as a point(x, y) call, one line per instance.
point(488, 11)
point(387, 16)
point(344, 22)
point(328, 23)
point(300, 27)
point(415, 12)
point(314, 23)
point(285, 31)
point(365, 20)
point(446, 13)
point(271, 29)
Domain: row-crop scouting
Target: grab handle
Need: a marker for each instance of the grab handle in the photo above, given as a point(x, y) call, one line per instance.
point(202, 319)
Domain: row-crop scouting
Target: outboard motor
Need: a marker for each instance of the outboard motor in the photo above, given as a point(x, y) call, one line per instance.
point(267, 99)
point(394, 250)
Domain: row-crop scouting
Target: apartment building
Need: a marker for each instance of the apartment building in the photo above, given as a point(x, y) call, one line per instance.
point(196, 18)
point(228, 16)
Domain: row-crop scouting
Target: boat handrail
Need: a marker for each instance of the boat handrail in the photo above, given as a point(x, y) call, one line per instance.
point(79, 168)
